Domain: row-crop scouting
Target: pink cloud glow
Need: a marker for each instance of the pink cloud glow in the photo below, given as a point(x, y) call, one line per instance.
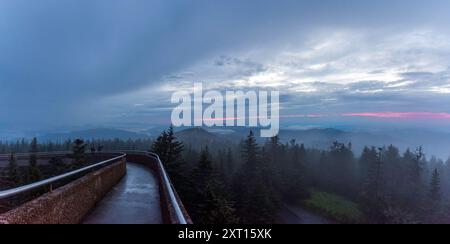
point(401, 115)
point(281, 116)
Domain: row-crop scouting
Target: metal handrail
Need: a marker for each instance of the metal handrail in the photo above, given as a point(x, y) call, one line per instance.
point(168, 185)
point(173, 199)
point(23, 189)
point(167, 182)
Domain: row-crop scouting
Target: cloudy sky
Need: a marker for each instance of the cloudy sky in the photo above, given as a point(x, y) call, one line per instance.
point(91, 63)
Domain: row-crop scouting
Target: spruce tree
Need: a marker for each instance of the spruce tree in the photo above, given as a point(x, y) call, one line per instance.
point(13, 171)
point(93, 148)
point(229, 166)
point(256, 198)
point(79, 157)
point(174, 150)
point(218, 210)
point(250, 152)
point(395, 175)
point(295, 187)
point(373, 198)
point(34, 173)
point(170, 151)
point(204, 172)
point(272, 157)
point(435, 187)
point(209, 203)
point(57, 165)
point(368, 156)
point(415, 188)
point(341, 169)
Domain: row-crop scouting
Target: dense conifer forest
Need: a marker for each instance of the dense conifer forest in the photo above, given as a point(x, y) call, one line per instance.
point(252, 183)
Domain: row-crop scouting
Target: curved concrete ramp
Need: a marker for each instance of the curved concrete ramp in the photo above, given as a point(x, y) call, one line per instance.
point(134, 200)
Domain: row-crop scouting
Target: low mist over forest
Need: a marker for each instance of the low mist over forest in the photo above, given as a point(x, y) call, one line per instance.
point(220, 177)
point(435, 143)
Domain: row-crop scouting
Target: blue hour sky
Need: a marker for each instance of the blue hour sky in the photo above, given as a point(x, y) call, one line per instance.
point(75, 63)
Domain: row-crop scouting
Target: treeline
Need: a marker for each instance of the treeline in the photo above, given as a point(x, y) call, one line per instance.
point(24, 146)
point(249, 183)
point(13, 175)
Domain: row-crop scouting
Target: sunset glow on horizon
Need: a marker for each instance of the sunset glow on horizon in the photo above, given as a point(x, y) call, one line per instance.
point(401, 115)
point(380, 115)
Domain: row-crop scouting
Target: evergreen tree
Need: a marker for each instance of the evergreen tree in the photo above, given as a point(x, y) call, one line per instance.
point(170, 152)
point(373, 198)
point(204, 172)
point(368, 156)
point(340, 162)
point(174, 150)
point(93, 149)
point(209, 203)
point(415, 188)
point(272, 156)
point(13, 171)
point(57, 165)
point(229, 165)
point(435, 187)
point(34, 172)
point(256, 198)
point(294, 187)
point(79, 157)
point(395, 174)
point(250, 152)
point(218, 210)
point(434, 212)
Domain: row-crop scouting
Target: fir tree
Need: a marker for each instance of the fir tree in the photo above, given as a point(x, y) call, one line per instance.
point(79, 157)
point(415, 188)
point(373, 199)
point(204, 172)
point(93, 149)
point(209, 203)
point(34, 173)
point(341, 166)
point(250, 152)
point(257, 200)
point(295, 186)
point(13, 171)
point(57, 165)
point(368, 156)
point(217, 210)
point(170, 152)
point(435, 187)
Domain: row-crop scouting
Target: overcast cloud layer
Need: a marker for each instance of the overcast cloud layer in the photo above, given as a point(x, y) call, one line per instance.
point(67, 63)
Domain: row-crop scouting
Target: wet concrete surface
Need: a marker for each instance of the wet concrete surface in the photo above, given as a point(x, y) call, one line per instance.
point(134, 200)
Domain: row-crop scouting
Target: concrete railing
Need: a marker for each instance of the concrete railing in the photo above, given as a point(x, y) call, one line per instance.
point(69, 203)
point(49, 182)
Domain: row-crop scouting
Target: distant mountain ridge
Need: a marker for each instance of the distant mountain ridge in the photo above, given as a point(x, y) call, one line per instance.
point(434, 143)
point(99, 133)
point(199, 138)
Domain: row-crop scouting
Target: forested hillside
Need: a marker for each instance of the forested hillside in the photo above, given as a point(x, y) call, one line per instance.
point(250, 182)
